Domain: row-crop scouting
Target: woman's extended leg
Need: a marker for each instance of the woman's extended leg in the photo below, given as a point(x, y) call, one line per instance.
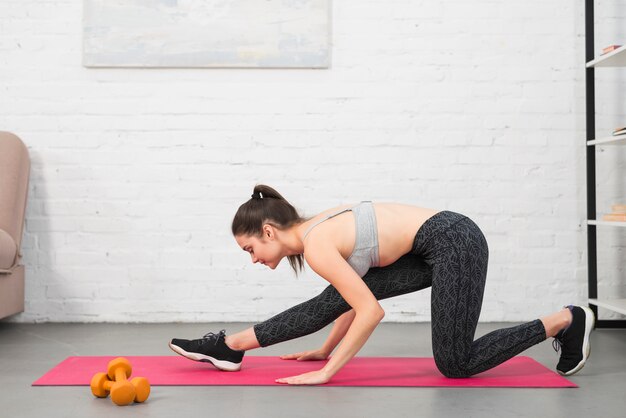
point(408, 274)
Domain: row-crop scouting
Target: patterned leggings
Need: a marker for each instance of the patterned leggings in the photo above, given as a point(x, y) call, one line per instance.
point(450, 254)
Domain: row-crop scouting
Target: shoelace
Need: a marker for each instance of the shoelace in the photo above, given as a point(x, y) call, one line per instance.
point(212, 337)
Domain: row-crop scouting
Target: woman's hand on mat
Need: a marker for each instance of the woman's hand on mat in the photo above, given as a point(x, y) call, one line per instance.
point(306, 355)
point(316, 377)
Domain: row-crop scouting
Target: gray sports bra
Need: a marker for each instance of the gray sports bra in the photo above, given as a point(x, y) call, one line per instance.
point(365, 253)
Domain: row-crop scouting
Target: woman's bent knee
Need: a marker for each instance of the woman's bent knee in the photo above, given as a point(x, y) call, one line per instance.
point(451, 369)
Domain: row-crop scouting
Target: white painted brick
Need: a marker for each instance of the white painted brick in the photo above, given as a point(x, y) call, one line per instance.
point(476, 108)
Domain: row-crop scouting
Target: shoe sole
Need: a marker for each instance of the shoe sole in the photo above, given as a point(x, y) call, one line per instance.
point(589, 325)
point(227, 366)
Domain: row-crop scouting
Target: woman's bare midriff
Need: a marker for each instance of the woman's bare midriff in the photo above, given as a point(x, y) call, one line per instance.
point(397, 225)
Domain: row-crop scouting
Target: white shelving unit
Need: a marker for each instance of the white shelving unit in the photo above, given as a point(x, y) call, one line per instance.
point(611, 140)
point(613, 59)
point(617, 305)
point(607, 223)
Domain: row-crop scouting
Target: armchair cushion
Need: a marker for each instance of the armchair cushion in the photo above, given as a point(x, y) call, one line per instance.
point(8, 251)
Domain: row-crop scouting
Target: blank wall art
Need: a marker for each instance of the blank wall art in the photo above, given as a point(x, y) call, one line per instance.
point(207, 33)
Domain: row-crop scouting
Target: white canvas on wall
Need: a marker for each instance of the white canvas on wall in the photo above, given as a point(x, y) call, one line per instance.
point(207, 33)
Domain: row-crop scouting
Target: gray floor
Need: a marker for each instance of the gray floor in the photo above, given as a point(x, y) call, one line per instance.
point(28, 351)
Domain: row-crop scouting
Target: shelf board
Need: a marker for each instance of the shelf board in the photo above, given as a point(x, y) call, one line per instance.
point(606, 223)
point(615, 58)
point(616, 305)
point(611, 140)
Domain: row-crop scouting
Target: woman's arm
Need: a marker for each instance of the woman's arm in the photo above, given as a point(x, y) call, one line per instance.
point(328, 263)
point(362, 327)
point(339, 330)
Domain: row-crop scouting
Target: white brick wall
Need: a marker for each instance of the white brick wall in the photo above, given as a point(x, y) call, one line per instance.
point(476, 107)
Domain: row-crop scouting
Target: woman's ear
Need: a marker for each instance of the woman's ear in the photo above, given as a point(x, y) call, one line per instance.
point(268, 231)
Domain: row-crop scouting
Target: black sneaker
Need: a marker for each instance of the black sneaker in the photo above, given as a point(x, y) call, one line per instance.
point(211, 348)
point(574, 341)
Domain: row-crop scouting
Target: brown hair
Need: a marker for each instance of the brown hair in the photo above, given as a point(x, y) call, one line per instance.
point(267, 206)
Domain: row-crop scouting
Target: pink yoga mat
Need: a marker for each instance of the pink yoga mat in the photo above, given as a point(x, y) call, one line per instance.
point(360, 371)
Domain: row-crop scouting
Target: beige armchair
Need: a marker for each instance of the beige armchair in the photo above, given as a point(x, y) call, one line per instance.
point(14, 172)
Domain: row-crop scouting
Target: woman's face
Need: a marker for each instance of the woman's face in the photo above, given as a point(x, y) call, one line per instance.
point(264, 250)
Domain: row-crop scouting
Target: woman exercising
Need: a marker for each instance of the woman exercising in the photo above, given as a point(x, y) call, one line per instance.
point(373, 251)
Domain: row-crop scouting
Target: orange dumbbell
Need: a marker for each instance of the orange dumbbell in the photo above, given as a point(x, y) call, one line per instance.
point(142, 388)
point(115, 382)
